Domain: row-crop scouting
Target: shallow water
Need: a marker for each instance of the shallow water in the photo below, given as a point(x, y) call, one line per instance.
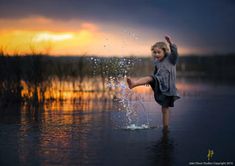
point(202, 119)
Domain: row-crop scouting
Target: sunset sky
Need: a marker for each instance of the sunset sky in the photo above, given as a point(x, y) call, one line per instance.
point(116, 27)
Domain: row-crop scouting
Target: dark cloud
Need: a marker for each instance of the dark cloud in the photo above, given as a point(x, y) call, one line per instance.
point(201, 23)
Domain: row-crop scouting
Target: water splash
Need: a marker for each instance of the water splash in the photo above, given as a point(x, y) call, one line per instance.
point(131, 105)
point(135, 110)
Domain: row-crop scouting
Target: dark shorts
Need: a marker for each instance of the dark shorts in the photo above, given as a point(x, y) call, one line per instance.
point(163, 100)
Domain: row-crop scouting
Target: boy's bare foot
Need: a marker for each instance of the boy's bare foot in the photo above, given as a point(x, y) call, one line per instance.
point(129, 82)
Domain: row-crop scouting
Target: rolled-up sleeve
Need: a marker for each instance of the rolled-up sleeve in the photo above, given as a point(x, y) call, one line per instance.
point(174, 54)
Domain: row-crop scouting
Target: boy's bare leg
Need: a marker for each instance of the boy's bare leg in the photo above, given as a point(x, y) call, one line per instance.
point(165, 117)
point(142, 81)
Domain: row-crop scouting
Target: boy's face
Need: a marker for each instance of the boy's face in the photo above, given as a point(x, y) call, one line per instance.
point(158, 53)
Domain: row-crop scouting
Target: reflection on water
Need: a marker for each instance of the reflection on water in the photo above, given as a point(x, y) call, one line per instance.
point(162, 152)
point(68, 89)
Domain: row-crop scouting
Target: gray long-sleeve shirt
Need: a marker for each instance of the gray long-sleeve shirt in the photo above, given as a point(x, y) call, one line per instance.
point(165, 72)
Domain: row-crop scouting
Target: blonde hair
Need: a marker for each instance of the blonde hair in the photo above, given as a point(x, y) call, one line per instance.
point(161, 45)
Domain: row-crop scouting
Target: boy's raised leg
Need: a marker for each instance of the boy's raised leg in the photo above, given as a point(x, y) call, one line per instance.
point(142, 81)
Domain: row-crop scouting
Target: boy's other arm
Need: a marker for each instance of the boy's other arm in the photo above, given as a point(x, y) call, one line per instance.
point(174, 51)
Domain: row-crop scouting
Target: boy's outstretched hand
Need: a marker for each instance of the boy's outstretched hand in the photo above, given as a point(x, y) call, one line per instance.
point(168, 39)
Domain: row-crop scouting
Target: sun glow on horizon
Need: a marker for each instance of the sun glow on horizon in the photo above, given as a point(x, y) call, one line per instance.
point(47, 36)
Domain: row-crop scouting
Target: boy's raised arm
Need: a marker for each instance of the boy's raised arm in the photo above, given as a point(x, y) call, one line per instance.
point(174, 51)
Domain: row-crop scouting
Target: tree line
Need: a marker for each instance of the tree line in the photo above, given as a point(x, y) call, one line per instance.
point(38, 71)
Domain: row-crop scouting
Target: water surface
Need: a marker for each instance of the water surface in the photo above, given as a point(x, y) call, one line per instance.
point(97, 133)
